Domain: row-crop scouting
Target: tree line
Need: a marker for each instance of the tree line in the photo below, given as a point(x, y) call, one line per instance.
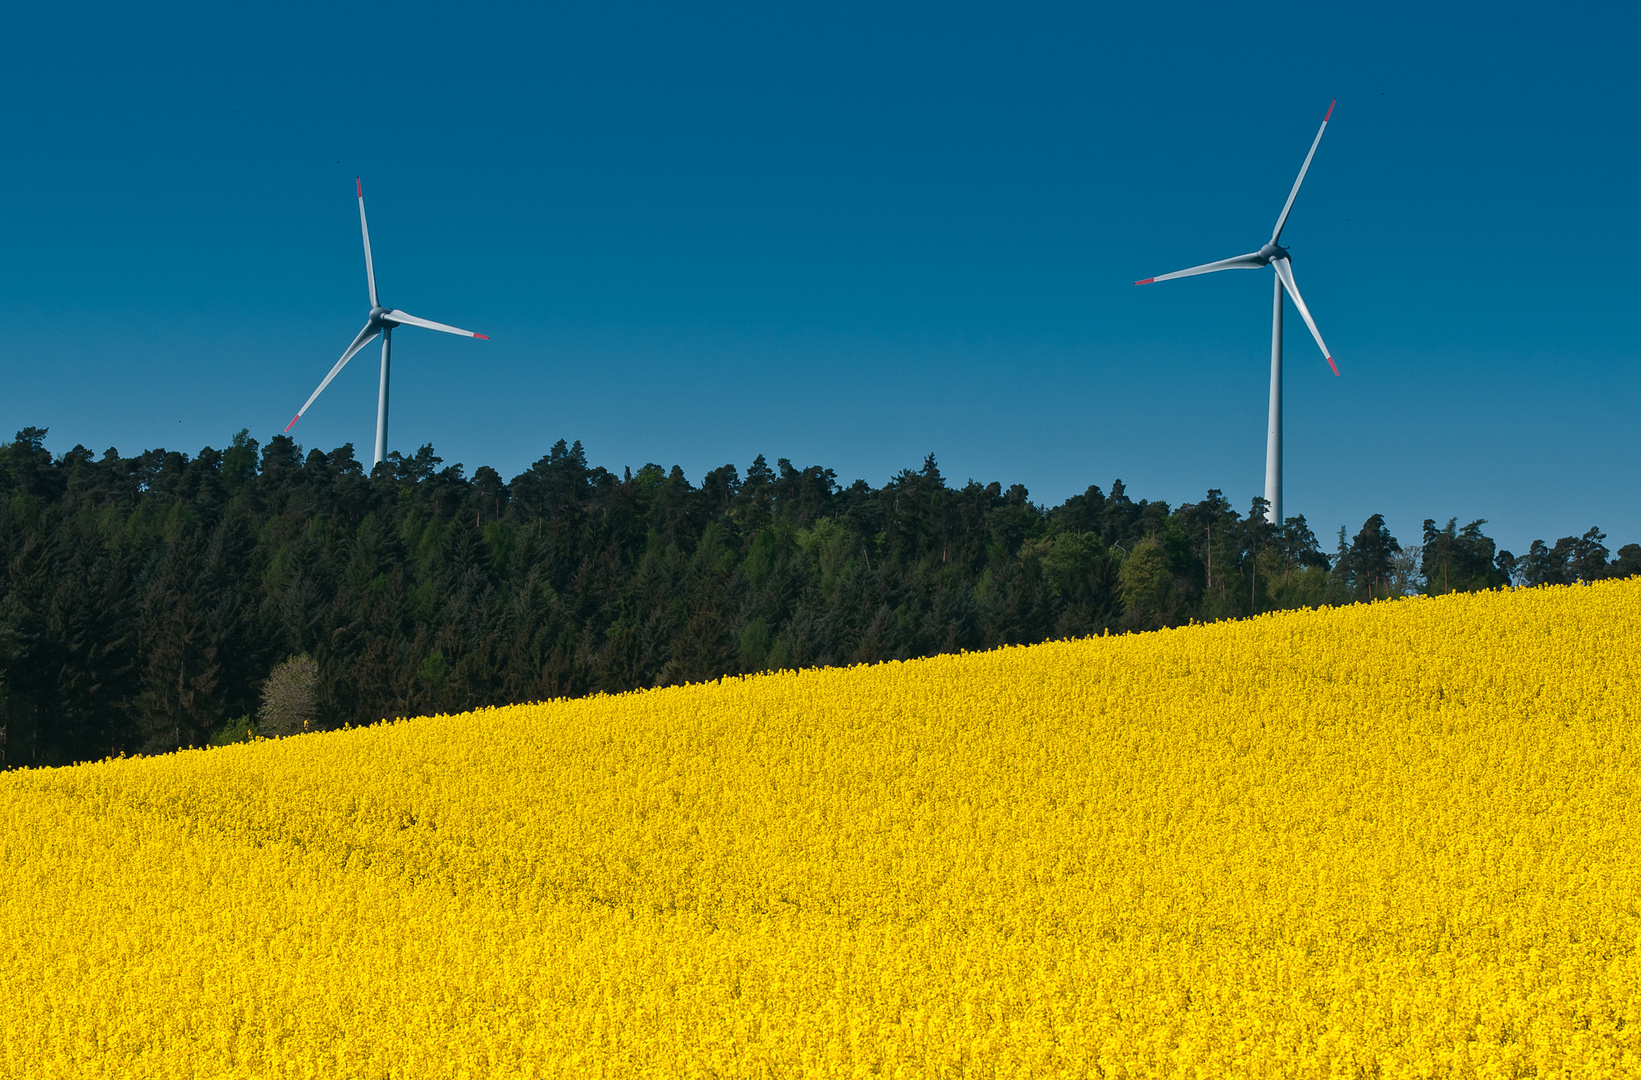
point(163, 600)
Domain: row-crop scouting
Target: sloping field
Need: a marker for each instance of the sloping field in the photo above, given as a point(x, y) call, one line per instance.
point(1387, 841)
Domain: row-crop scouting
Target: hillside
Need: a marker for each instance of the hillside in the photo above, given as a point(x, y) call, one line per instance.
point(1387, 840)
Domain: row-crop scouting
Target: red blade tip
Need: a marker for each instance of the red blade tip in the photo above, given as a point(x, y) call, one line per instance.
point(482, 337)
point(359, 185)
point(1331, 104)
point(1332, 365)
point(294, 419)
point(1147, 281)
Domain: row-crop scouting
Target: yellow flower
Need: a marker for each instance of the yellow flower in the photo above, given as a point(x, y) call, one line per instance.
point(1394, 840)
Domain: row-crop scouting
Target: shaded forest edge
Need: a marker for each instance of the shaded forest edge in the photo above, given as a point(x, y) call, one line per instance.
point(159, 601)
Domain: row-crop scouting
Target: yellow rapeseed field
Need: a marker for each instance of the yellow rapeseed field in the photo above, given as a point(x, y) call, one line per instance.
point(1398, 840)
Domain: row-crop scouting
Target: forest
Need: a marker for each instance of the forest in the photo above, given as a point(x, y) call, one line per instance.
point(163, 600)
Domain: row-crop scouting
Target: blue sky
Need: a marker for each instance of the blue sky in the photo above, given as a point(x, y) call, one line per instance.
point(849, 235)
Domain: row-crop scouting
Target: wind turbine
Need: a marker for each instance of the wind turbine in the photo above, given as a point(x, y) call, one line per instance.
point(1274, 255)
point(381, 320)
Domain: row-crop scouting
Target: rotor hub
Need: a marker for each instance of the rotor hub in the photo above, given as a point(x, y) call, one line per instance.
point(1273, 251)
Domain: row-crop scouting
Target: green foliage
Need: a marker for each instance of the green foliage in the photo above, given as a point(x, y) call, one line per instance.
point(235, 730)
point(1145, 582)
point(1460, 560)
point(756, 640)
point(145, 601)
point(433, 672)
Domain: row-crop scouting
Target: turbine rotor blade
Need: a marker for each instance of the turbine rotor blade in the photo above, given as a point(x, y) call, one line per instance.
point(1287, 207)
point(370, 269)
point(406, 319)
point(365, 337)
point(1285, 272)
point(1251, 261)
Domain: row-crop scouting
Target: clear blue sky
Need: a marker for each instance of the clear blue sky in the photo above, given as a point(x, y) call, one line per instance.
point(849, 235)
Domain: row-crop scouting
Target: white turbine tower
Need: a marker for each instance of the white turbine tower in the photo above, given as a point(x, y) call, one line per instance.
point(381, 320)
point(1274, 255)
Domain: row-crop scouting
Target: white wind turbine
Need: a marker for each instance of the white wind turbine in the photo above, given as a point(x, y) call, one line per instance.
point(381, 320)
point(1274, 255)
